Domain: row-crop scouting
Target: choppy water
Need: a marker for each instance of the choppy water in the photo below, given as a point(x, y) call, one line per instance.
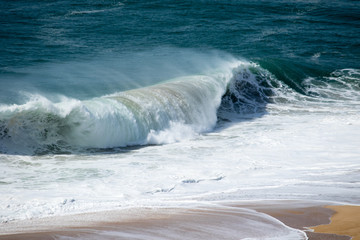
point(108, 105)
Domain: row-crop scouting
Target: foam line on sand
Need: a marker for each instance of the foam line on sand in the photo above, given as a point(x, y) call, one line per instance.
point(231, 220)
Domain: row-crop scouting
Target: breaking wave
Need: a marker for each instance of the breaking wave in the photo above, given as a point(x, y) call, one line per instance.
point(163, 113)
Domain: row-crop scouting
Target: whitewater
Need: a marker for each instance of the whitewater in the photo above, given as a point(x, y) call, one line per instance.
point(234, 133)
point(203, 111)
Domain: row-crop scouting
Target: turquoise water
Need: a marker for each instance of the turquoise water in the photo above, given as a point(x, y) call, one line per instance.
point(85, 50)
point(114, 105)
point(41, 41)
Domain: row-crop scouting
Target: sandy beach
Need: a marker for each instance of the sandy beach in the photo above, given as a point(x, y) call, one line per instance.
point(222, 221)
point(345, 221)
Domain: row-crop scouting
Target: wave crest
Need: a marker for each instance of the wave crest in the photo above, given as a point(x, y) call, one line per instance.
point(163, 113)
point(135, 117)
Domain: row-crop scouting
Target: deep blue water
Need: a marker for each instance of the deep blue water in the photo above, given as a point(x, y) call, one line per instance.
point(53, 51)
point(41, 40)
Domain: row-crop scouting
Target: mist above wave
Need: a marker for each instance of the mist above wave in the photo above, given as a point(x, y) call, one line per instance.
point(154, 114)
point(164, 112)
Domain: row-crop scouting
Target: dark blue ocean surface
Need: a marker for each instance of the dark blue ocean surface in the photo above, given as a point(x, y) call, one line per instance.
point(73, 48)
point(60, 61)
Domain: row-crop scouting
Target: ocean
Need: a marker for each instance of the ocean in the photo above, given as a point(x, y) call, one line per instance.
point(109, 105)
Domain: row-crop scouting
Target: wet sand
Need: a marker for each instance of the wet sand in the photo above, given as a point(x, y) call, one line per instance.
point(345, 221)
point(234, 220)
point(304, 218)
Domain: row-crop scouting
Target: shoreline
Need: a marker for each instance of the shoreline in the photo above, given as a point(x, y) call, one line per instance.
point(253, 219)
point(344, 221)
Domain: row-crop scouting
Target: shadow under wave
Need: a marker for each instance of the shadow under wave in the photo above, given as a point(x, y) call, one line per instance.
point(247, 95)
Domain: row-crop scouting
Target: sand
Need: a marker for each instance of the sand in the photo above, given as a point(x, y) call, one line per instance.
point(345, 221)
point(223, 221)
